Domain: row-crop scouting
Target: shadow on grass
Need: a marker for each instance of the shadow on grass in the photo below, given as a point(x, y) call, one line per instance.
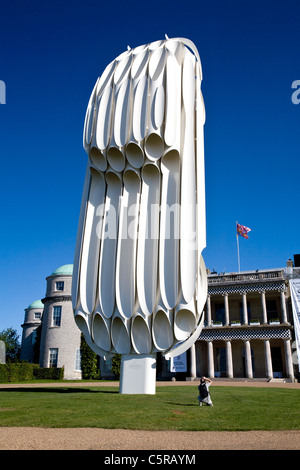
point(56, 390)
point(182, 404)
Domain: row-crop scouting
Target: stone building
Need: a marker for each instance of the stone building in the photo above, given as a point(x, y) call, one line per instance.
point(32, 322)
point(248, 328)
point(60, 337)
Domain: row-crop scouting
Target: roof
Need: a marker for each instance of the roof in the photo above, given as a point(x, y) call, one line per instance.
point(36, 304)
point(66, 269)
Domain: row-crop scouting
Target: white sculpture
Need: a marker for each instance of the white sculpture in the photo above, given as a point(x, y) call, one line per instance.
point(139, 280)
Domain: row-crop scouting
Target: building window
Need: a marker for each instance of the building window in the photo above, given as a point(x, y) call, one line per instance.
point(77, 359)
point(271, 309)
point(53, 355)
point(220, 313)
point(59, 285)
point(34, 337)
point(37, 315)
point(56, 318)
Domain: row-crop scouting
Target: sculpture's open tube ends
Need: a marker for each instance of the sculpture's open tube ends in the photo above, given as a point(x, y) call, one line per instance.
point(98, 159)
point(162, 331)
point(120, 336)
point(184, 322)
point(82, 322)
point(116, 159)
point(101, 332)
point(134, 155)
point(141, 335)
point(154, 146)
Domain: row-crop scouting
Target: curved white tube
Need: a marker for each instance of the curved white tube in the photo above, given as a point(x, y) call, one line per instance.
point(121, 91)
point(127, 243)
point(89, 119)
point(202, 290)
point(134, 150)
point(172, 133)
point(147, 251)
point(188, 240)
point(139, 87)
point(79, 238)
point(122, 113)
point(202, 286)
point(109, 239)
point(154, 144)
point(169, 229)
point(115, 152)
point(103, 129)
point(91, 243)
point(182, 347)
point(201, 211)
point(106, 78)
point(122, 69)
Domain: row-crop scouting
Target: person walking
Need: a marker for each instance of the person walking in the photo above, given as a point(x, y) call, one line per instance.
point(204, 395)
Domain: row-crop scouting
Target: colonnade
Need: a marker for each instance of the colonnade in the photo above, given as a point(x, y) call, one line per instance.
point(245, 319)
point(248, 359)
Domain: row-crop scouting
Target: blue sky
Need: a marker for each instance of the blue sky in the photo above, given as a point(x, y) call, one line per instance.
point(51, 53)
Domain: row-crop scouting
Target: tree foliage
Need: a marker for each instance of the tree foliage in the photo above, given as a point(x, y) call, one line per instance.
point(11, 339)
point(89, 361)
point(116, 365)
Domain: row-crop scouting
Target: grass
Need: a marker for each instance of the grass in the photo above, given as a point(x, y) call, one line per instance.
point(172, 408)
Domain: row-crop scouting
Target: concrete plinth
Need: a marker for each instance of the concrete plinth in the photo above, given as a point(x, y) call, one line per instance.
point(138, 374)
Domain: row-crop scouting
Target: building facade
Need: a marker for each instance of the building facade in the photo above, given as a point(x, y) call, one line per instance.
point(247, 334)
point(31, 325)
point(60, 337)
point(248, 329)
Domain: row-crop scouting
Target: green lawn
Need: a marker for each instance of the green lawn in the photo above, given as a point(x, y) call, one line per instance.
point(173, 407)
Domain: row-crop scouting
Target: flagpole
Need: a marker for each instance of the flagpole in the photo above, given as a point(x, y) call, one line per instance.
point(238, 251)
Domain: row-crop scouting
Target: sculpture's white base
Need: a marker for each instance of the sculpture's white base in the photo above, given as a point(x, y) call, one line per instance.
point(138, 374)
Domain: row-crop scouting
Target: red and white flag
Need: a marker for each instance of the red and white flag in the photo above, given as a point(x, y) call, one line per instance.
point(242, 230)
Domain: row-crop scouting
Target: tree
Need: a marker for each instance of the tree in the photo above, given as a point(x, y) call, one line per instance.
point(116, 365)
point(89, 369)
point(11, 339)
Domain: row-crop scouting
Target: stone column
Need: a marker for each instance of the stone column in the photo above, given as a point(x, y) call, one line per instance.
point(226, 307)
point(248, 360)
point(210, 360)
point(288, 359)
point(193, 368)
point(283, 308)
point(245, 312)
point(264, 307)
point(229, 364)
point(208, 310)
point(268, 359)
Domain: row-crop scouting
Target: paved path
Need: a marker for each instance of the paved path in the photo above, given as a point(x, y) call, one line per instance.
point(122, 439)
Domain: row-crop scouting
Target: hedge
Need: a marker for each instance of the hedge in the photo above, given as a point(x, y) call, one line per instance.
point(23, 371)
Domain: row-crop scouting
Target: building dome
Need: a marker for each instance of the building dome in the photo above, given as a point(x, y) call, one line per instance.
point(66, 269)
point(36, 304)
